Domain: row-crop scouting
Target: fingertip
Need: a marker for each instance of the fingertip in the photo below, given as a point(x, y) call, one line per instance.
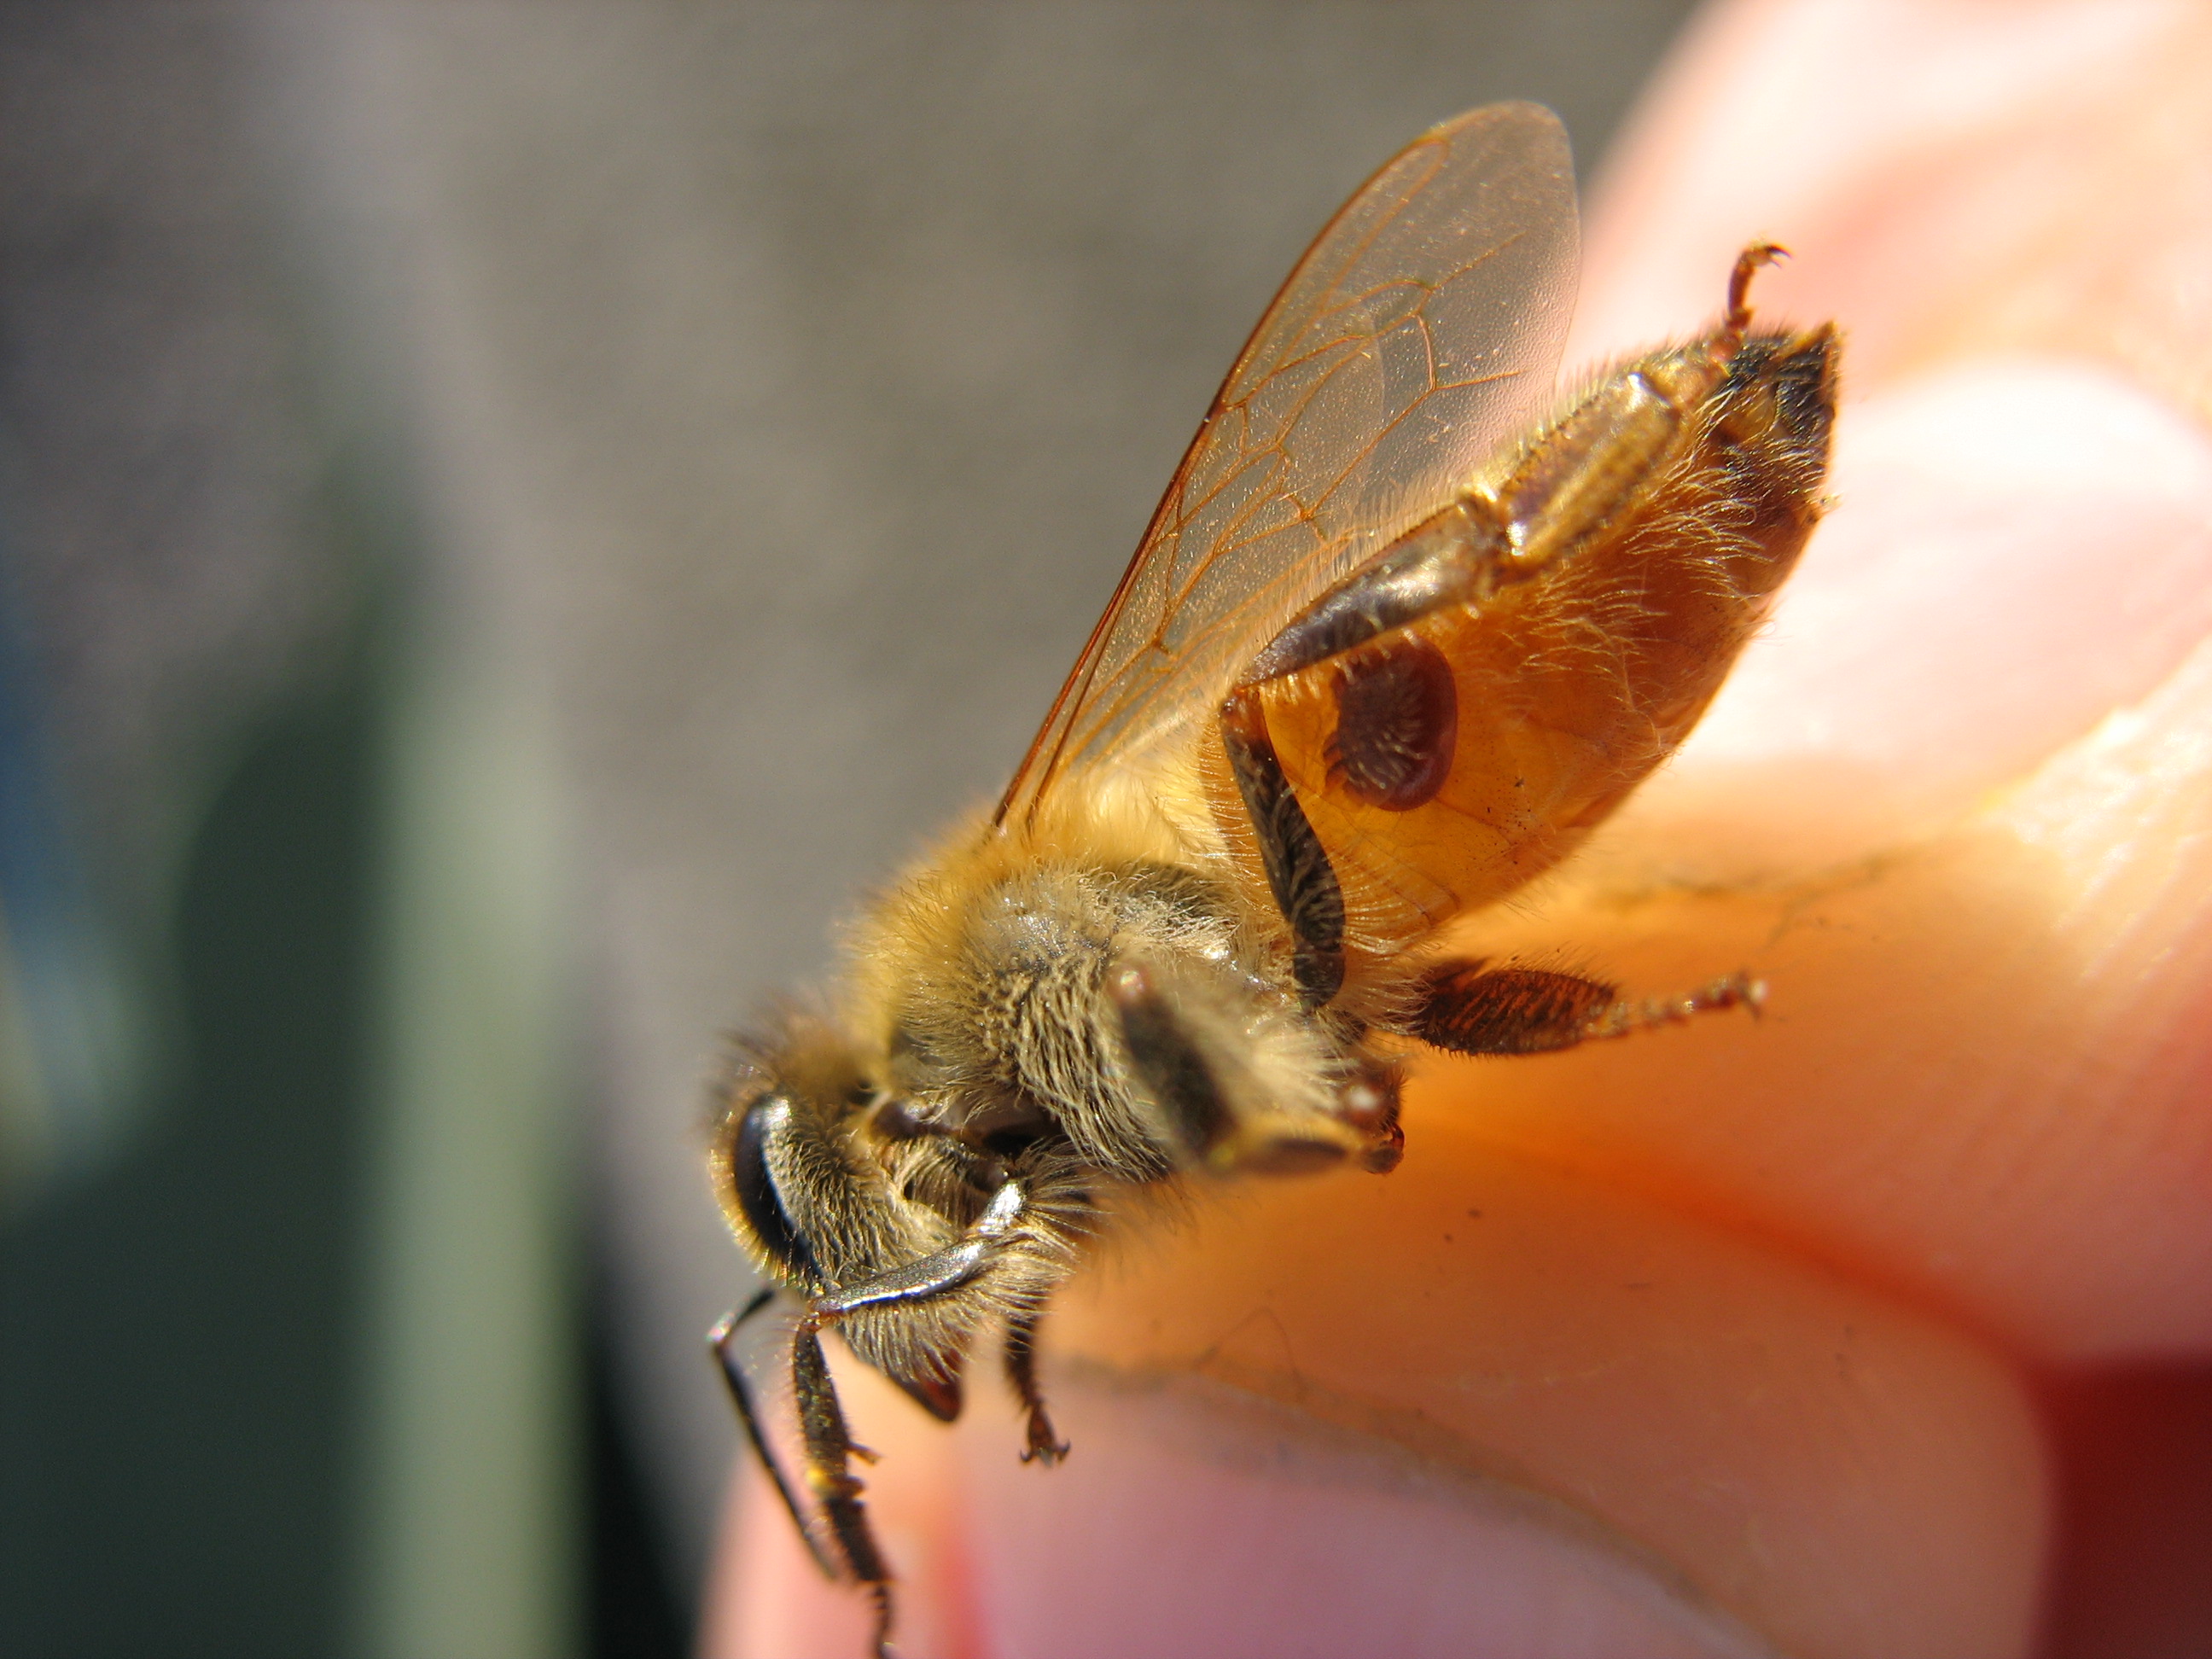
point(2018, 546)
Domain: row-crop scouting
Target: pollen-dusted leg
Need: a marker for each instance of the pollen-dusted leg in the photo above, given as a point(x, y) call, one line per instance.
point(1045, 1447)
point(1472, 1009)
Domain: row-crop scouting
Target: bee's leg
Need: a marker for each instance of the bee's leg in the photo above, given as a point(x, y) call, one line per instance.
point(830, 1477)
point(830, 1445)
point(1403, 739)
point(721, 1340)
point(1164, 1037)
point(933, 1274)
point(1472, 1009)
point(1300, 873)
point(1045, 1447)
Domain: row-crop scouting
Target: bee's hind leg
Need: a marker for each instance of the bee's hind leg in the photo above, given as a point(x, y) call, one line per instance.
point(1045, 1447)
point(1470, 1009)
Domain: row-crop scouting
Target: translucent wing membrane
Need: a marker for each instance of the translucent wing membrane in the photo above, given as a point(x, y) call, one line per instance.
point(1417, 335)
point(754, 1346)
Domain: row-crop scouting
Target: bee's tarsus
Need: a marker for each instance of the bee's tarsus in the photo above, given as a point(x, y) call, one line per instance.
point(879, 1645)
point(1738, 319)
point(1737, 990)
point(1044, 1445)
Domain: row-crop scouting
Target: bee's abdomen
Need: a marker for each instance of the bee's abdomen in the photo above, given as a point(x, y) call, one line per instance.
point(1449, 721)
point(1769, 438)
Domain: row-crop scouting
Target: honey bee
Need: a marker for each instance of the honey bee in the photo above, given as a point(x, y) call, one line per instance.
point(1393, 644)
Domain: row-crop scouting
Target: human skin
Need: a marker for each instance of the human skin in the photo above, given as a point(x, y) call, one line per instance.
point(1882, 1324)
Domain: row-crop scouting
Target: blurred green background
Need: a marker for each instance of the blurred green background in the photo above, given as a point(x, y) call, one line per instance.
point(508, 513)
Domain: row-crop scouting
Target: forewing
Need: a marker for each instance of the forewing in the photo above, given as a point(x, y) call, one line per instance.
point(1419, 333)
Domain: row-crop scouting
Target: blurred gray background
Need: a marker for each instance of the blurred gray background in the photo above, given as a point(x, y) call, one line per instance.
point(510, 513)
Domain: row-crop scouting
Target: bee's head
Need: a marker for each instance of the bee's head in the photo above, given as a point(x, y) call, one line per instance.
point(783, 1161)
point(826, 1182)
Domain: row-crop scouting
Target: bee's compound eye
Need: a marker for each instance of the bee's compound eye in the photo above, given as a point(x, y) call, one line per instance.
point(767, 1123)
point(1397, 718)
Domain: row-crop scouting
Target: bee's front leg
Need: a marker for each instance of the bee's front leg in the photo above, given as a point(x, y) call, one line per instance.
point(947, 1270)
point(722, 1342)
point(830, 1477)
point(830, 1445)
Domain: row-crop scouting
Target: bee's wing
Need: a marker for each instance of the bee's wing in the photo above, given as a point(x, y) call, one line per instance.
point(1419, 333)
point(754, 1347)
